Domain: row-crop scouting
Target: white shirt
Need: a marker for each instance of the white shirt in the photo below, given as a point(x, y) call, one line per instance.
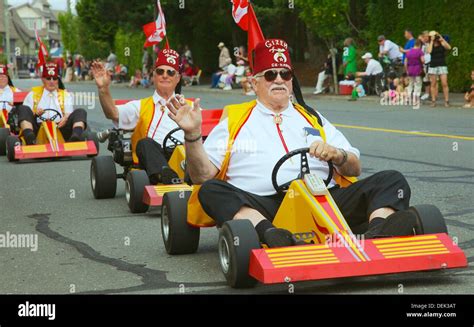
point(392, 48)
point(6, 94)
point(161, 125)
point(258, 147)
point(50, 100)
point(373, 67)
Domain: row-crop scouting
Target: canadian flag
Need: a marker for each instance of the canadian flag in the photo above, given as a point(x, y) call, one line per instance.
point(240, 13)
point(244, 16)
point(156, 31)
point(42, 52)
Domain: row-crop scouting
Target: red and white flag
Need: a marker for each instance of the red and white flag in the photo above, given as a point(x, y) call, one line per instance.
point(156, 31)
point(240, 13)
point(42, 51)
point(244, 16)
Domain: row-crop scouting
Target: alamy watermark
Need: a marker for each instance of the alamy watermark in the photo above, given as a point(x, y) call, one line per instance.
point(12, 240)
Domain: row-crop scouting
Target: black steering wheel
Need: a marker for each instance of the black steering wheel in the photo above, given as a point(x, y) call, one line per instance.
point(57, 114)
point(304, 169)
point(168, 150)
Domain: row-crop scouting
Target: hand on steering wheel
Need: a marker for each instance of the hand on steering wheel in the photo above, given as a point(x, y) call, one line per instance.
point(304, 169)
point(56, 115)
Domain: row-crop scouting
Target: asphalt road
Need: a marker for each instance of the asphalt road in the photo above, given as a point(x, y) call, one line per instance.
point(97, 246)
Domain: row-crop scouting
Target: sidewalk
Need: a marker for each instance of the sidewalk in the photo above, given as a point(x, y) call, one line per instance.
point(456, 100)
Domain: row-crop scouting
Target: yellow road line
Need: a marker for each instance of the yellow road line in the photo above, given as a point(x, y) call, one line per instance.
point(399, 131)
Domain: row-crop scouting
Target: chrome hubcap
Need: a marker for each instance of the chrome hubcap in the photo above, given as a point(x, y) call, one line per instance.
point(165, 223)
point(127, 191)
point(224, 254)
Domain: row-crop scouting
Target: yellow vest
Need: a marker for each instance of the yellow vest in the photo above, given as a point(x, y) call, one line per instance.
point(147, 112)
point(38, 93)
point(237, 116)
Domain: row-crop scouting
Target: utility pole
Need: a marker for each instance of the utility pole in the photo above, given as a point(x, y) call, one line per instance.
point(6, 20)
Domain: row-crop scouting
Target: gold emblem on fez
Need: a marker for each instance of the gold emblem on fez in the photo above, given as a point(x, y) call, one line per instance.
point(279, 55)
point(171, 59)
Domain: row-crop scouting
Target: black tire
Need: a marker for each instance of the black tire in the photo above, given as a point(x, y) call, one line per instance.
point(93, 137)
point(236, 241)
point(11, 143)
point(103, 177)
point(134, 187)
point(429, 220)
point(178, 236)
point(4, 134)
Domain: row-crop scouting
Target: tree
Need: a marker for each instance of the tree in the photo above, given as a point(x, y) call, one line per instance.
point(69, 26)
point(328, 20)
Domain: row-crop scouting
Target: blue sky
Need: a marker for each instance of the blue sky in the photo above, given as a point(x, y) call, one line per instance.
point(55, 4)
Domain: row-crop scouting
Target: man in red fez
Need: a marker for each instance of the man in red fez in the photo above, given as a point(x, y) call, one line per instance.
point(259, 133)
point(6, 89)
point(51, 95)
point(147, 117)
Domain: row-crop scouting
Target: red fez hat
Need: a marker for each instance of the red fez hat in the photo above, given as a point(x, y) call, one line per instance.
point(272, 53)
point(50, 69)
point(168, 57)
point(3, 70)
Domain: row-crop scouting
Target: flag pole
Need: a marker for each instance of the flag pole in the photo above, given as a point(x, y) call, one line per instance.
point(6, 19)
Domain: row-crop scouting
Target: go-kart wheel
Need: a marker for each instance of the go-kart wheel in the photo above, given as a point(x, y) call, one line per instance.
point(236, 241)
point(4, 133)
point(178, 236)
point(93, 137)
point(11, 143)
point(103, 177)
point(429, 219)
point(134, 188)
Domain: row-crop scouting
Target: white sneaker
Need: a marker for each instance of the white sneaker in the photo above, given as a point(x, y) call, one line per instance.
point(425, 96)
point(317, 92)
point(227, 88)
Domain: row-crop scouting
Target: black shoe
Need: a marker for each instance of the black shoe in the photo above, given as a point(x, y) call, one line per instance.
point(279, 237)
point(400, 223)
point(30, 137)
point(76, 138)
point(169, 176)
point(375, 228)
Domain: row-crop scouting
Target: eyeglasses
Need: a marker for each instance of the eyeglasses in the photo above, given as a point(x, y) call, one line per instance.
point(51, 78)
point(271, 75)
point(169, 72)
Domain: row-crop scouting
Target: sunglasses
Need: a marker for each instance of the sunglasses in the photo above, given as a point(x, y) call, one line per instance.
point(169, 72)
point(51, 78)
point(271, 75)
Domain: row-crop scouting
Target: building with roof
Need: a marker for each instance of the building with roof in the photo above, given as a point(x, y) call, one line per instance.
point(22, 22)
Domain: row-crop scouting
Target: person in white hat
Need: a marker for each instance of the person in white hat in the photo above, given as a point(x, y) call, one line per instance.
point(224, 61)
point(373, 69)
